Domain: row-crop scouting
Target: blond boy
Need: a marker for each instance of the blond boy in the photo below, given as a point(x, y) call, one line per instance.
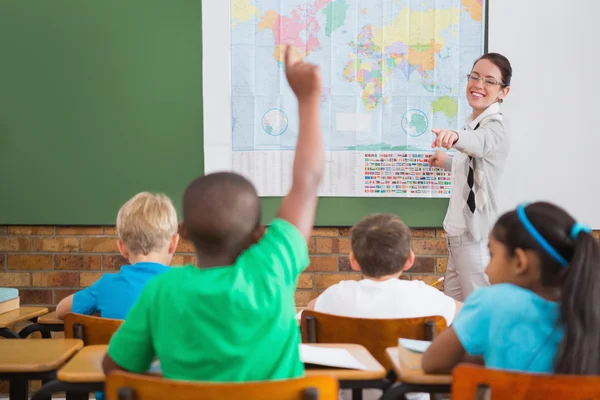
point(147, 229)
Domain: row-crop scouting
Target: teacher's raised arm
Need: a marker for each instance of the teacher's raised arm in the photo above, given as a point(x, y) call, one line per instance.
point(482, 149)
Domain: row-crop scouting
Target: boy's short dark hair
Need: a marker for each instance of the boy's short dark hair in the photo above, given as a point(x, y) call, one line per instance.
point(381, 244)
point(220, 213)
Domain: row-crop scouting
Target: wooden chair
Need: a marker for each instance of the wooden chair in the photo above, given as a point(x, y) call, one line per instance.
point(374, 334)
point(126, 386)
point(92, 330)
point(470, 382)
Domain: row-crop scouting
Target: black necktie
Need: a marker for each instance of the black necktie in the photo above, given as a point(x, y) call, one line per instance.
point(471, 182)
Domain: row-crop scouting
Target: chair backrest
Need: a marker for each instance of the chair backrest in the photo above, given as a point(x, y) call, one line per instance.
point(374, 334)
point(92, 330)
point(126, 386)
point(470, 382)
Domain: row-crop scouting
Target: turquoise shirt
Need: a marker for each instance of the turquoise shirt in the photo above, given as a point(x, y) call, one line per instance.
point(511, 327)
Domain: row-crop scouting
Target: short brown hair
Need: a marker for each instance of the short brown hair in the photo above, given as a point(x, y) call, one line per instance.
point(381, 244)
point(147, 222)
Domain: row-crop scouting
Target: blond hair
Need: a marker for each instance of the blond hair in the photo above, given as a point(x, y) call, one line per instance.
point(147, 222)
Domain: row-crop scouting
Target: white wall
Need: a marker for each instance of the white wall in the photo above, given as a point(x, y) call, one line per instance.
point(553, 108)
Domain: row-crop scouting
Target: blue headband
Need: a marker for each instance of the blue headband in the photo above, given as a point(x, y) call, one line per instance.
point(578, 228)
point(540, 239)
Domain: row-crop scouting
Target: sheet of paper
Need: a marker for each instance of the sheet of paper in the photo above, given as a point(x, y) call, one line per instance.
point(419, 346)
point(329, 357)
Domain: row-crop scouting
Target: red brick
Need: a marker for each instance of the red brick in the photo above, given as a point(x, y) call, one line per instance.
point(78, 230)
point(15, 279)
point(99, 245)
point(76, 262)
point(312, 246)
point(440, 233)
point(30, 230)
point(109, 230)
point(179, 260)
point(60, 294)
point(327, 246)
point(345, 246)
point(332, 232)
point(344, 264)
point(114, 263)
point(302, 297)
point(423, 233)
point(14, 244)
point(345, 232)
point(305, 281)
point(62, 245)
point(423, 265)
point(53, 279)
point(88, 278)
point(323, 264)
point(441, 264)
point(185, 246)
point(2, 260)
point(323, 281)
point(430, 246)
point(30, 262)
point(35, 296)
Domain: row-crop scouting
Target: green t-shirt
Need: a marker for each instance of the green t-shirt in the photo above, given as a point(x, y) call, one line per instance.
point(232, 323)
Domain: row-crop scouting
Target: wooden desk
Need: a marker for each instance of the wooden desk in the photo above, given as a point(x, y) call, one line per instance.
point(50, 319)
point(374, 371)
point(85, 366)
point(21, 314)
point(16, 316)
point(25, 360)
point(406, 366)
point(83, 373)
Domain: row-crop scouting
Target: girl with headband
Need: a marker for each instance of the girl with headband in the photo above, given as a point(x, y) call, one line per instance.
point(542, 312)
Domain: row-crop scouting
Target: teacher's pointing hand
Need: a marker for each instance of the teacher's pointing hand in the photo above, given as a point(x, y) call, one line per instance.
point(444, 138)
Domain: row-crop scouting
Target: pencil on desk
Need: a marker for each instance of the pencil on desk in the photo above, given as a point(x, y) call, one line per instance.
point(438, 281)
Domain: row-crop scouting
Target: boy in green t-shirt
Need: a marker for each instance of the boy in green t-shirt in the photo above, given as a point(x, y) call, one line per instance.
point(232, 317)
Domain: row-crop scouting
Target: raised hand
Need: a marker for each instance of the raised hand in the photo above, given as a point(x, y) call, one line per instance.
point(304, 79)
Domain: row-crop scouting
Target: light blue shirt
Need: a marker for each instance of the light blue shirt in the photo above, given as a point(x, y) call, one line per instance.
point(511, 327)
point(114, 294)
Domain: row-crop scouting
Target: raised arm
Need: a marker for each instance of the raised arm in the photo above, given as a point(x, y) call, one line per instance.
point(299, 206)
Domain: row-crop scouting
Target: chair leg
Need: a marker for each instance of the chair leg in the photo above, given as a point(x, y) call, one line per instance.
point(77, 396)
point(29, 329)
point(18, 389)
point(8, 333)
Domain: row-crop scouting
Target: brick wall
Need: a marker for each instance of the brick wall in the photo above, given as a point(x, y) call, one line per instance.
point(47, 263)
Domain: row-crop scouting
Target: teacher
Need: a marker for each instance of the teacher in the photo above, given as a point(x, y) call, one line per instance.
point(482, 149)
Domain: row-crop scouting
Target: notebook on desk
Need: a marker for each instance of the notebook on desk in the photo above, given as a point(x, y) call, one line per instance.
point(329, 357)
point(9, 300)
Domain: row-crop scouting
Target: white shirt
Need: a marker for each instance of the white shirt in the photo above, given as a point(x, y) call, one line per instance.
point(393, 298)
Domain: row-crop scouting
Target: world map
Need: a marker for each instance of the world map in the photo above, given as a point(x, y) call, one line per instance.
point(392, 69)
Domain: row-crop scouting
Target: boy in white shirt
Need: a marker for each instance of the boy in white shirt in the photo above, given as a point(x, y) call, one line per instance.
point(381, 250)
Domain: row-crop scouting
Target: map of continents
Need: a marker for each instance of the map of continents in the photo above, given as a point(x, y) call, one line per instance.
point(386, 65)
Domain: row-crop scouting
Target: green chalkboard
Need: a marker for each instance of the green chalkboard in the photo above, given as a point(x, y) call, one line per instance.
point(102, 99)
